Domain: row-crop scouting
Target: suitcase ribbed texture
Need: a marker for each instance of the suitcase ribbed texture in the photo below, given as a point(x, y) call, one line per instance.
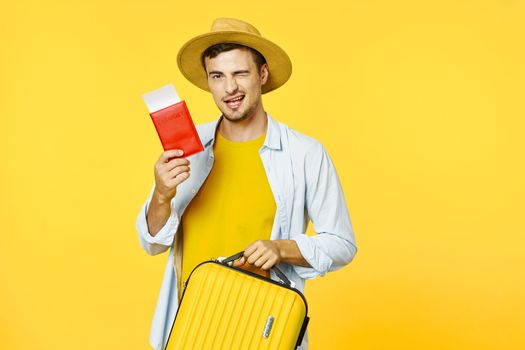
point(226, 309)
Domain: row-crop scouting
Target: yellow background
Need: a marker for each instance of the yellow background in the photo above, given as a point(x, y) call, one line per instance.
point(419, 103)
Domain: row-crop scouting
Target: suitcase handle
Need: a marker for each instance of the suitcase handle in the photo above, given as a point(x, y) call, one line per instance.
point(275, 269)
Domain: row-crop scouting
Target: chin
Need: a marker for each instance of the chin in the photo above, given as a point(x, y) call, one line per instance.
point(236, 117)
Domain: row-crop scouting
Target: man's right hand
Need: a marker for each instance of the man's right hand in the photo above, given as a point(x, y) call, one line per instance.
point(170, 171)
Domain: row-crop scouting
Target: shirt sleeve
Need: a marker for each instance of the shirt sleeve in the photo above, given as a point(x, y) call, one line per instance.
point(163, 240)
point(334, 245)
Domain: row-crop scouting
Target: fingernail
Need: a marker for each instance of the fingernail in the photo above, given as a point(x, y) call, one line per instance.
point(180, 152)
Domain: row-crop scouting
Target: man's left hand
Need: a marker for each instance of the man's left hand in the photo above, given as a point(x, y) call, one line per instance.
point(265, 254)
point(262, 254)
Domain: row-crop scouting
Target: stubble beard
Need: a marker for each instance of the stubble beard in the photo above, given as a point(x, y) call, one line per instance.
point(248, 113)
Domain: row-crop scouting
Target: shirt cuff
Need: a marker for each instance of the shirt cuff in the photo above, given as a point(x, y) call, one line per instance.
point(163, 239)
point(319, 261)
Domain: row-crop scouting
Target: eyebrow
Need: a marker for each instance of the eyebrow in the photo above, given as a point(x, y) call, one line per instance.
point(241, 71)
point(236, 72)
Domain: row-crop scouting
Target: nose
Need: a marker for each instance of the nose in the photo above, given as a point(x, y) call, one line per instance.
point(231, 85)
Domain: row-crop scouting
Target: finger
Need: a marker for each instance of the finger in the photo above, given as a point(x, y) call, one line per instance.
point(268, 260)
point(251, 248)
point(164, 168)
point(178, 170)
point(175, 162)
point(254, 257)
point(167, 176)
point(165, 156)
point(178, 180)
point(261, 261)
point(240, 262)
point(269, 264)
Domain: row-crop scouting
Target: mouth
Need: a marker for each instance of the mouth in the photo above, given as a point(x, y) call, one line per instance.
point(235, 102)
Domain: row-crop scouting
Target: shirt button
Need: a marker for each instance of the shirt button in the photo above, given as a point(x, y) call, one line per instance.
point(193, 191)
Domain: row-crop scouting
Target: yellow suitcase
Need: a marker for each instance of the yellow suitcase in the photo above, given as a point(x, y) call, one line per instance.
point(226, 308)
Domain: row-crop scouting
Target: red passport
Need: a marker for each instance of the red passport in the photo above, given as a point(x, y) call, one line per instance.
point(176, 129)
point(173, 121)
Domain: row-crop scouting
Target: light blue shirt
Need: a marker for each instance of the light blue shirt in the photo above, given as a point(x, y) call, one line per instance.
point(305, 186)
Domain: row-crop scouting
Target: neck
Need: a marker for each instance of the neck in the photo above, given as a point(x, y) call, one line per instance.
point(245, 130)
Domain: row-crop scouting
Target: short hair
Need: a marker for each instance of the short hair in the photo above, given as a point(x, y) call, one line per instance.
point(215, 50)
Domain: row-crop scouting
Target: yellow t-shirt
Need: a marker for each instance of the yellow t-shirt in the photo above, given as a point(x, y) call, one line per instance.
point(234, 207)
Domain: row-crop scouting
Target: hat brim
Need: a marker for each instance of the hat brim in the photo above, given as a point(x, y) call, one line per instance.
point(189, 57)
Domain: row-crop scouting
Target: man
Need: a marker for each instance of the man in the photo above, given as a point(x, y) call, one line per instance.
point(254, 187)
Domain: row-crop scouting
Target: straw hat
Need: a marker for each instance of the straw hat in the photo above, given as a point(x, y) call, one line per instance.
point(229, 30)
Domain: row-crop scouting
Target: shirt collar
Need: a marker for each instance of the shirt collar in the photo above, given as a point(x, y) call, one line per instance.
point(272, 140)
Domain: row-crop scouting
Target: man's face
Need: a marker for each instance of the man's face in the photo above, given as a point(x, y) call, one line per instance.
point(235, 83)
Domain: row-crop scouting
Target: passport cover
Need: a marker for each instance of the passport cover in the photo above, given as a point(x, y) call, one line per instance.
point(176, 129)
point(172, 120)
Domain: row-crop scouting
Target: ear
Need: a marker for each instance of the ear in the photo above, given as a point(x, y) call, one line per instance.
point(264, 73)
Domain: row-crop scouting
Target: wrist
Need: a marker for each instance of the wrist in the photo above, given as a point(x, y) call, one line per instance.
point(290, 253)
point(283, 251)
point(160, 199)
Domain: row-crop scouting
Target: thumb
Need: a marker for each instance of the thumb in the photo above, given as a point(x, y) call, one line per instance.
point(240, 262)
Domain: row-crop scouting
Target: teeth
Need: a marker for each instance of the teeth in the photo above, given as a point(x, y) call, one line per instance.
point(235, 99)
